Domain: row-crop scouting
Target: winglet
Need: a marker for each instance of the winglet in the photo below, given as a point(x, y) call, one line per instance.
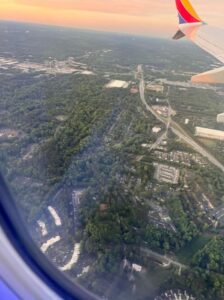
point(188, 18)
point(187, 13)
point(179, 35)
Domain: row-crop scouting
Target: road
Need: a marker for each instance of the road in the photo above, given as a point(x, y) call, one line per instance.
point(165, 260)
point(158, 141)
point(164, 135)
point(177, 130)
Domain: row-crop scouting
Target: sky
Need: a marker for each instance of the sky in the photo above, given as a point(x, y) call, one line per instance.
point(147, 17)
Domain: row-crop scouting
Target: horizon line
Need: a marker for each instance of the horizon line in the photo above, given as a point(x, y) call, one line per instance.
point(86, 29)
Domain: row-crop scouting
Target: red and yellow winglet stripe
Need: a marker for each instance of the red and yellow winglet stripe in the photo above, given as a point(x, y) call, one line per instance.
point(187, 13)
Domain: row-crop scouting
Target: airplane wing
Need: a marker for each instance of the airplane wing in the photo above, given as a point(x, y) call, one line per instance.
point(206, 37)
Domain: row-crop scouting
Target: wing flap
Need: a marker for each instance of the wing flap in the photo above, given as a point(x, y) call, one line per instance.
point(212, 76)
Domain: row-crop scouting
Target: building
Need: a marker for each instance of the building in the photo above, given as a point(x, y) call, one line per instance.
point(103, 207)
point(155, 87)
point(166, 173)
point(156, 129)
point(134, 90)
point(175, 295)
point(117, 84)
point(161, 110)
point(209, 133)
point(136, 267)
point(220, 118)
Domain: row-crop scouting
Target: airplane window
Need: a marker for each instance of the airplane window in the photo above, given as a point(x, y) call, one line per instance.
point(112, 141)
point(6, 292)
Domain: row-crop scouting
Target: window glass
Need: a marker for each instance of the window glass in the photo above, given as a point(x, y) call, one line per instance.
point(110, 150)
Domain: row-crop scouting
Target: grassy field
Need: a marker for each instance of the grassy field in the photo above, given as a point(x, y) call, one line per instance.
point(186, 254)
point(208, 143)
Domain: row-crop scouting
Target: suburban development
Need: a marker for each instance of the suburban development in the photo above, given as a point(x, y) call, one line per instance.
point(116, 160)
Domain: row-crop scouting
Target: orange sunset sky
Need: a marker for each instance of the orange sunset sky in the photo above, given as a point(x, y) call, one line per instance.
point(148, 17)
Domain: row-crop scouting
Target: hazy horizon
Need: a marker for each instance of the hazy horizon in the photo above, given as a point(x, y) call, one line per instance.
point(89, 30)
point(141, 17)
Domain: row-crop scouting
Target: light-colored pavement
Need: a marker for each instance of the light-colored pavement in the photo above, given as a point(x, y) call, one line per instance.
point(177, 130)
point(165, 260)
point(158, 141)
point(164, 135)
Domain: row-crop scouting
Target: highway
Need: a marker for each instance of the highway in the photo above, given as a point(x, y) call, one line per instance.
point(164, 135)
point(177, 130)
